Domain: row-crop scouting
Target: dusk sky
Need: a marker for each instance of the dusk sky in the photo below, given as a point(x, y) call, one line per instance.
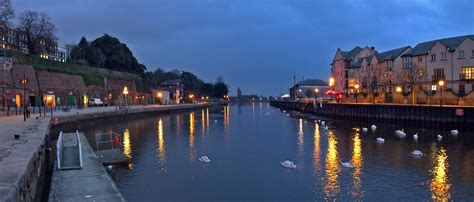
point(257, 45)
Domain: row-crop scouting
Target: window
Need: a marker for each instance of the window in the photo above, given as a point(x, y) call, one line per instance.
point(433, 57)
point(438, 74)
point(461, 54)
point(420, 58)
point(467, 73)
point(472, 53)
point(443, 55)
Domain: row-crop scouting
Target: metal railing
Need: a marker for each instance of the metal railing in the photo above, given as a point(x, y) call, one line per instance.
point(79, 147)
point(59, 147)
point(108, 138)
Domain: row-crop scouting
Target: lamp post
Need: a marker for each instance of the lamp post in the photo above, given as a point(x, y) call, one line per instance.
point(441, 84)
point(357, 91)
point(23, 82)
point(125, 93)
point(316, 91)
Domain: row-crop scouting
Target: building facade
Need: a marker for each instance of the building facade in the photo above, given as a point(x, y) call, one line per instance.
point(14, 39)
point(309, 88)
point(395, 75)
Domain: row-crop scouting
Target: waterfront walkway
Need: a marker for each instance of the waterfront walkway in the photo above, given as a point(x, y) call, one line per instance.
point(22, 159)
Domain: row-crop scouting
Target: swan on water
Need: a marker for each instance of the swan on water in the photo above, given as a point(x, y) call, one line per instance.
point(287, 114)
point(109, 167)
point(284, 111)
point(415, 136)
point(326, 128)
point(400, 133)
point(215, 121)
point(417, 153)
point(380, 140)
point(439, 137)
point(323, 123)
point(347, 164)
point(204, 159)
point(454, 132)
point(373, 127)
point(288, 164)
point(364, 130)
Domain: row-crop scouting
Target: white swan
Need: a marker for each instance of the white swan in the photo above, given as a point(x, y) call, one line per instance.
point(364, 130)
point(288, 164)
point(323, 123)
point(400, 133)
point(109, 167)
point(373, 127)
point(215, 121)
point(439, 137)
point(204, 159)
point(287, 114)
point(415, 136)
point(347, 164)
point(380, 140)
point(417, 153)
point(284, 111)
point(454, 132)
point(326, 128)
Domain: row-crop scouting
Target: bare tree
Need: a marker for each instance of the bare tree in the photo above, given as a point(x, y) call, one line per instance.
point(376, 81)
point(6, 10)
point(409, 78)
point(37, 26)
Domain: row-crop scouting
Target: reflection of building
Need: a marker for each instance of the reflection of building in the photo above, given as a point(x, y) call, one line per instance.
point(309, 88)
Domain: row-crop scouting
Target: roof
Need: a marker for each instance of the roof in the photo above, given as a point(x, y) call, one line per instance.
point(424, 47)
point(352, 53)
point(392, 54)
point(312, 82)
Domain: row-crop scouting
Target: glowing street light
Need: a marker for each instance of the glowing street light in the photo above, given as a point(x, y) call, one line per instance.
point(316, 90)
point(160, 95)
point(331, 82)
point(398, 89)
point(125, 93)
point(441, 84)
point(357, 91)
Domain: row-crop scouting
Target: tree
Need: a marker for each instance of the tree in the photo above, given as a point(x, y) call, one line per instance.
point(220, 79)
point(37, 26)
point(239, 92)
point(220, 89)
point(94, 56)
point(6, 11)
point(410, 78)
point(78, 51)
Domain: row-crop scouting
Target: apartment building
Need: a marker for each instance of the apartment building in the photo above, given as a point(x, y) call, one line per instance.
point(376, 74)
point(13, 39)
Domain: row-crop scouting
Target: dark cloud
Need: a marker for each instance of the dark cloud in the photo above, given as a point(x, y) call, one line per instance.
point(257, 45)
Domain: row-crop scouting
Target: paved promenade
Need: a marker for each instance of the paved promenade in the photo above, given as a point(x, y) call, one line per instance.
point(21, 159)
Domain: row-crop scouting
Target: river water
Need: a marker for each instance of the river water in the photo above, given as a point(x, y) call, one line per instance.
point(247, 142)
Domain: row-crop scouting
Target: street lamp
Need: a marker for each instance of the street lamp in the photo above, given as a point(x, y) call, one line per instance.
point(357, 91)
point(398, 89)
point(331, 82)
point(23, 82)
point(441, 84)
point(125, 93)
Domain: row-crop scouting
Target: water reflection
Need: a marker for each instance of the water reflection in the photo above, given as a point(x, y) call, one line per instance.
point(440, 184)
point(161, 142)
point(300, 134)
point(127, 145)
point(202, 122)
point(316, 150)
point(191, 135)
point(357, 161)
point(207, 119)
point(226, 119)
point(331, 186)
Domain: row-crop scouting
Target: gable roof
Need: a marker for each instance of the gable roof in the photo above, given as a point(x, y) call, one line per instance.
point(352, 53)
point(392, 54)
point(424, 47)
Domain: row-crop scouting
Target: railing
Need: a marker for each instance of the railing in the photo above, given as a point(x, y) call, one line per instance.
point(79, 147)
point(59, 147)
point(110, 135)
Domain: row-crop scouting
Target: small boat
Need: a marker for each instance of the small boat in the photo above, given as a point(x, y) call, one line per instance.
point(204, 159)
point(288, 164)
point(347, 164)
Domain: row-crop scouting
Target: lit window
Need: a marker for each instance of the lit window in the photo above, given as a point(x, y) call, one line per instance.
point(467, 73)
point(433, 87)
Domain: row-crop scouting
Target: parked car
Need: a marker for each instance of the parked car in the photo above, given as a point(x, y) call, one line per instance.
point(95, 102)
